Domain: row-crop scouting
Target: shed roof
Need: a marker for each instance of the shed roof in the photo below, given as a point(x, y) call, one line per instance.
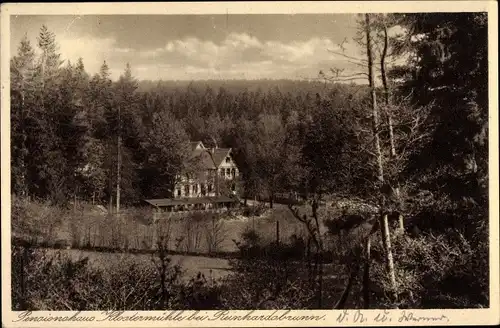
point(163, 202)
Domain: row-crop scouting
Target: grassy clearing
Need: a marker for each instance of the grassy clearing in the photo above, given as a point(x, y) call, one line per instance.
point(206, 233)
point(211, 268)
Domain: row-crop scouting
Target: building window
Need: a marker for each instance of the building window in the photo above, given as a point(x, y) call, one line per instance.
point(222, 172)
point(210, 187)
point(233, 172)
point(203, 190)
point(186, 190)
point(178, 193)
point(195, 189)
point(228, 172)
point(228, 159)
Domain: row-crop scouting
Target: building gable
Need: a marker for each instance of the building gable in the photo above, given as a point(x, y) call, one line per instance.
point(220, 155)
point(196, 145)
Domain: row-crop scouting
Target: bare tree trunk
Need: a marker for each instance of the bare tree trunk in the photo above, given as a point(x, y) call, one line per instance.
point(154, 242)
point(320, 251)
point(22, 157)
point(366, 275)
point(350, 281)
point(376, 139)
point(389, 115)
point(386, 238)
point(74, 201)
point(384, 226)
point(277, 232)
point(110, 203)
point(118, 165)
point(382, 68)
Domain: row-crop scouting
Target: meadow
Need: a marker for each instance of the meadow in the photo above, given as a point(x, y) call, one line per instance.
point(212, 234)
point(211, 268)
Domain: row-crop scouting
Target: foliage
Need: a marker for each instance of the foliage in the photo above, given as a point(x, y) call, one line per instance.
point(435, 271)
point(57, 283)
point(303, 139)
point(284, 284)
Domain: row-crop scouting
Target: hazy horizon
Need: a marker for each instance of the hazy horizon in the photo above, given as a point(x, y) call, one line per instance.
point(200, 47)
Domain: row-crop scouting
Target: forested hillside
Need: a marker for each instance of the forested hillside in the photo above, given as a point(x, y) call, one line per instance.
point(412, 141)
point(65, 123)
point(65, 126)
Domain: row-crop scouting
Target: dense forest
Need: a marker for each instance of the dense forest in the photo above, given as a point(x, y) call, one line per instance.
point(65, 123)
point(428, 116)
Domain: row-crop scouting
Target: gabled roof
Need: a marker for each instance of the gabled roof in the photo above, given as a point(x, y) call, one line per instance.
point(204, 158)
point(210, 158)
point(219, 154)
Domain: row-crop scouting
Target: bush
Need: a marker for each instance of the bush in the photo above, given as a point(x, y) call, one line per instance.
point(37, 222)
point(270, 276)
point(56, 283)
point(256, 210)
point(433, 271)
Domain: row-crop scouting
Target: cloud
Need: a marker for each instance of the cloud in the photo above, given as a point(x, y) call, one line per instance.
point(93, 51)
point(239, 55)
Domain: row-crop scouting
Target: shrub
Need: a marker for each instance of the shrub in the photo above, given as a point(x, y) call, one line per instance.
point(42, 282)
point(37, 222)
point(433, 271)
point(256, 210)
point(268, 276)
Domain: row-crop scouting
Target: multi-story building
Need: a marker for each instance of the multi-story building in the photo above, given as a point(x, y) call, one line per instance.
point(210, 181)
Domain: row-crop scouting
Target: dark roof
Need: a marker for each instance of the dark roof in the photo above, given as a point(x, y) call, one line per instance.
point(219, 154)
point(184, 201)
point(204, 158)
point(210, 158)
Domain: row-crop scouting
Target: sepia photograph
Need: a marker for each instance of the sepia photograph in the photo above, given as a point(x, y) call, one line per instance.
point(263, 161)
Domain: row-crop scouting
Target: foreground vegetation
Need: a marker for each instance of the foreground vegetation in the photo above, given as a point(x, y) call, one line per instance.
point(414, 150)
point(429, 270)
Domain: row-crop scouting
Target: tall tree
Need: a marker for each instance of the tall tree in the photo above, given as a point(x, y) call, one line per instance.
point(453, 81)
point(129, 130)
point(166, 145)
point(103, 117)
point(275, 160)
point(22, 70)
point(384, 224)
point(50, 59)
point(51, 162)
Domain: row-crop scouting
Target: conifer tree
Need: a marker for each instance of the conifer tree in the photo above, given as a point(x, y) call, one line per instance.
point(22, 68)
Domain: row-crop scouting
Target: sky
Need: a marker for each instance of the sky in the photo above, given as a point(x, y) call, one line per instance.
point(200, 47)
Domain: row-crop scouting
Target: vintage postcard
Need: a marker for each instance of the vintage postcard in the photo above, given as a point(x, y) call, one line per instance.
point(249, 164)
